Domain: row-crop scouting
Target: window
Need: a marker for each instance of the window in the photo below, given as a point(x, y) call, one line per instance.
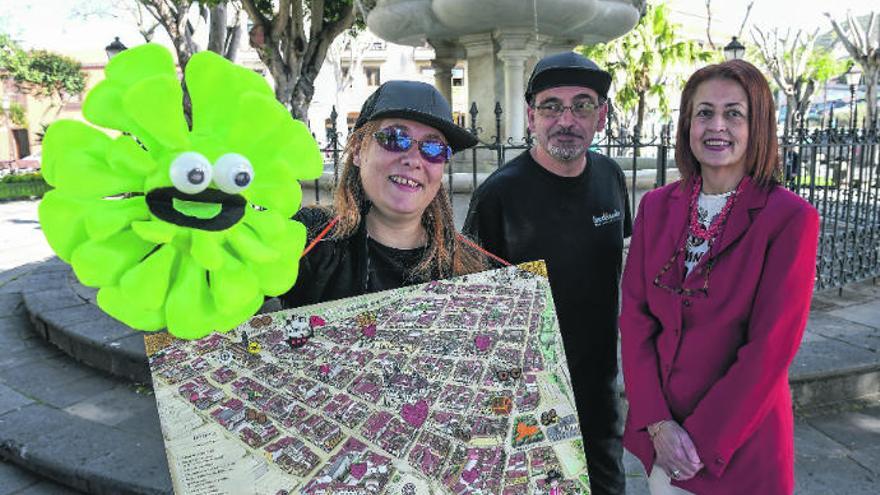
point(457, 76)
point(373, 77)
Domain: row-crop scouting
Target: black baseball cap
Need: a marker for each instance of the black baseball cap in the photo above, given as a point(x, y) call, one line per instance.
point(567, 69)
point(416, 101)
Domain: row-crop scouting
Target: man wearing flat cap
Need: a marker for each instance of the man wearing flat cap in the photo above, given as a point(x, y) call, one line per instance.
point(567, 205)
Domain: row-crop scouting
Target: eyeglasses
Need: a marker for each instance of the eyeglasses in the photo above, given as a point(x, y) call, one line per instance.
point(702, 291)
point(397, 140)
point(581, 109)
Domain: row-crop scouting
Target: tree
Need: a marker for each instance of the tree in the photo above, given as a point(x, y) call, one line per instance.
point(180, 19)
point(796, 64)
point(863, 46)
point(177, 18)
point(641, 62)
point(134, 11)
point(709, 22)
point(41, 72)
point(345, 57)
point(292, 37)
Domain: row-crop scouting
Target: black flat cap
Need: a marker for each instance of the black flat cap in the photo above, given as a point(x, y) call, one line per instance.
point(416, 101)
point(567, 69)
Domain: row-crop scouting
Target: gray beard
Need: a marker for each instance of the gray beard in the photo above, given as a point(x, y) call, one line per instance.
point(566, 153)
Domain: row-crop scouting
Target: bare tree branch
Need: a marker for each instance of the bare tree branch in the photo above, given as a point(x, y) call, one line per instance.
point(292, 52)
point(709, 24)
point(858, 44)
point(745, 18)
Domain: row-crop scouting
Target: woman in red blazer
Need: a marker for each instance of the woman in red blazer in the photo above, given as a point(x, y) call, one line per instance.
point(716, 294)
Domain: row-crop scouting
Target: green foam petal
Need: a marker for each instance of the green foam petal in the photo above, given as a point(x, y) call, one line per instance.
point(266, 192)
point(125, 156)
point(233, 286)
point(267, 224)
point(117, 305)
point(146, 284)
point(278, 277)
point(156, 105)
point(112, 215)
point(87, 176)
point(62, 218)
point(242, 313)
point(99, 263)
point(189, 307)
point(301, 150)
point(156, 231)
point(67, 138)
point(211, 98)
point(256, 123)
point(104, 102)
point(207, 250)
point(139, 63)
point(249, 246)
point(102, 107)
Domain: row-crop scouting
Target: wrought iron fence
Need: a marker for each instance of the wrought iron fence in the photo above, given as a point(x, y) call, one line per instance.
point(837, 169)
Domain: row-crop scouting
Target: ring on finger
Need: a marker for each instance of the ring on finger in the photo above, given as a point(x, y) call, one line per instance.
point(676, 473)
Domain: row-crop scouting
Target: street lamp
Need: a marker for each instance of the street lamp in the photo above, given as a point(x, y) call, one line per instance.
point(852, 76)
point(734, 50)
point(114, 48)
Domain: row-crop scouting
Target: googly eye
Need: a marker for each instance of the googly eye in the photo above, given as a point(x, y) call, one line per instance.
point(190, 172)
point(233, 173)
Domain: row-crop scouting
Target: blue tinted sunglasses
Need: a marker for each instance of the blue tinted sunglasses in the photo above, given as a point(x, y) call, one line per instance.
point(397, 140)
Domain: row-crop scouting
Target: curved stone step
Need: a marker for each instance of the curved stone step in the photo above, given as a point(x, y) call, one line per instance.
point(64, 313)
point(70, 423)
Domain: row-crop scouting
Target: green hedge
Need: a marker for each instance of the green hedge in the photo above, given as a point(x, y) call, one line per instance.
point(25, 177)
point(17, 189)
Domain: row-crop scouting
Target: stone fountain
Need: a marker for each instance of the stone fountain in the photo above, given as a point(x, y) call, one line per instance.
point(501, 40)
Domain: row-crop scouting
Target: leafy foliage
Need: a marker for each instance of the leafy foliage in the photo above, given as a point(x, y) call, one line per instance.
point(795, 63)
point(24, 177)
point(16, 114)
point(46, 73)
point(641, 61)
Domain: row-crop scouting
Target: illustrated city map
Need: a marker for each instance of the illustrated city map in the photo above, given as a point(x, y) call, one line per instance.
point(450, 387)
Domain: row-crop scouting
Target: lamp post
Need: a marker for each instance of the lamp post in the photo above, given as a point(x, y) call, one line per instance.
point(114, 48)
point(734, 50)
point(853, 75)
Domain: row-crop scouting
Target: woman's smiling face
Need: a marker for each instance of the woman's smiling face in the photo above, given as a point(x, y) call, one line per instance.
point(719, 132)
point(400, 184)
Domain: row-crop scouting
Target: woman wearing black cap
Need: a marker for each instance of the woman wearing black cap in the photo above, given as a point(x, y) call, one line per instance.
point(391, 223)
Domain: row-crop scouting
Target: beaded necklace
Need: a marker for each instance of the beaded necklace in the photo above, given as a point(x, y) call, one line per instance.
point(697, 229)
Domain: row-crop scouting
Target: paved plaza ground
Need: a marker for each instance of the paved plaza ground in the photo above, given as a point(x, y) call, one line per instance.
point(65, 417)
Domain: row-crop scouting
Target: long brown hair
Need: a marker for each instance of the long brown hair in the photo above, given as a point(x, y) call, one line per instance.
point(445, 255)
point(762, 153)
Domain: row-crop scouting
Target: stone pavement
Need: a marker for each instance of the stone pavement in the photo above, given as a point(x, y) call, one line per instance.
point(98, 431)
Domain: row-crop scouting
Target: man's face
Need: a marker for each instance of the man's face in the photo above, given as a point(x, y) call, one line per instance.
point(566, 136)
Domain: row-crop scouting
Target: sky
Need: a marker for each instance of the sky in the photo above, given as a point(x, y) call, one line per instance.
point(55, 24)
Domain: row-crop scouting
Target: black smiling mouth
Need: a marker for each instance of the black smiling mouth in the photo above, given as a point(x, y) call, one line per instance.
point(231, 208)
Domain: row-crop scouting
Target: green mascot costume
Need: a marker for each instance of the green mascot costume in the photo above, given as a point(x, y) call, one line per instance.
point(179, 228)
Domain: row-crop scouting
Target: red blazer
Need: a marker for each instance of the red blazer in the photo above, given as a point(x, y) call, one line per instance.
point(718, 363)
